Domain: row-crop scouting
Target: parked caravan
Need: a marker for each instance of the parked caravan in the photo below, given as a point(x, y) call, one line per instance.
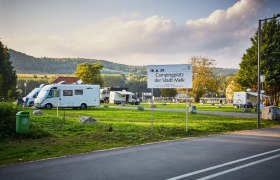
point(248, 99)
point(105, 93)
point(118, 97)
point(68, 95)
point(30, 98)
point(244, 99)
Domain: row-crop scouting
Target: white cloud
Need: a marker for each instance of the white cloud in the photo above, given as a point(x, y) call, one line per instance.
point(157, 39)
point(232, 25)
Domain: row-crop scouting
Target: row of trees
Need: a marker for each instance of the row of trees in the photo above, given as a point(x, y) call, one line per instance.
point(91, 74)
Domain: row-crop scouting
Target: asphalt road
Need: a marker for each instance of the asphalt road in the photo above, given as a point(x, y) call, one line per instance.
point(243, 155)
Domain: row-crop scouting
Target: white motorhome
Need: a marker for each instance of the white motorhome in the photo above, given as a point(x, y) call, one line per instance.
point(68, 95)
point(118, 97)
point(30, 98)
point(244, 99)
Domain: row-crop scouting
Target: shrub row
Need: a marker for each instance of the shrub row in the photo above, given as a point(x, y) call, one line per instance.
point(8, 113)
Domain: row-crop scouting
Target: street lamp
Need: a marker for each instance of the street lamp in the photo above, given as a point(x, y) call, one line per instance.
point(259, 60)
point(262, 78)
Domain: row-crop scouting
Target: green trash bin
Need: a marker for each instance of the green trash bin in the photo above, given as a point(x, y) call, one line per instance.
point(22, 122)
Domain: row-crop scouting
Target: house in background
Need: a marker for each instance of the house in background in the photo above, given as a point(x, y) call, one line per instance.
point(67, 80)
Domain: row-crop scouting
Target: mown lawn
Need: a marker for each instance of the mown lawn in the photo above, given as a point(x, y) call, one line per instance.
point(201, 107)
point(52, 136)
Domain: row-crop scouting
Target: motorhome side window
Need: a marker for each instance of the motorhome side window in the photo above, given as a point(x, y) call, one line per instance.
point(57, 93)
point(78, 92)
point(67, 93)
point(35, 95)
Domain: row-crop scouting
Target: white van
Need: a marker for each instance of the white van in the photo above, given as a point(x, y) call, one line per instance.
point(68, 95)
point(245, 99)
point(118, 97)
point(30, 98)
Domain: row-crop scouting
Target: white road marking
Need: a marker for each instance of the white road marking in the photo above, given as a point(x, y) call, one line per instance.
point(239, 167)
point(222, 165)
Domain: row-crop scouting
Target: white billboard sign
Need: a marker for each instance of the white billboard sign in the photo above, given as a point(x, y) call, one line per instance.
point(170, 76)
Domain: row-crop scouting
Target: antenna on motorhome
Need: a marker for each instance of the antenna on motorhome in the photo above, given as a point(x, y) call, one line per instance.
point(41, 85)
point(79, 81)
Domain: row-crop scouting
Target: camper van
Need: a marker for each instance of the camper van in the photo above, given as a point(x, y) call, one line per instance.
point(30, 98)
point(244, 99)
point(119, 97)
point(105, 93)
point(68, 95)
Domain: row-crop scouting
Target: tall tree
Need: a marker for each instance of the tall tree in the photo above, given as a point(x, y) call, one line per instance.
point(138, 84)
point(270, 60)
point(222, 83)
point(113, 80)
point(204, 79)
point(232, 87)
point(168, 92)
point(8, 77)
point(90, 73)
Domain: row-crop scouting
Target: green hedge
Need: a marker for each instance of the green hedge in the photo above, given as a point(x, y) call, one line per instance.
point(8, 113)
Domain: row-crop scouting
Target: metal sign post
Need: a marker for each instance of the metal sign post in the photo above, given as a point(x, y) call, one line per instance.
point(57, 94)
point(187, 109)
point(57, 108)
point(152, 109)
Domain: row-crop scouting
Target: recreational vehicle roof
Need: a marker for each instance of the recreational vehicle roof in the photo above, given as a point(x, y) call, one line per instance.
point(123, 92)
point(253, 94)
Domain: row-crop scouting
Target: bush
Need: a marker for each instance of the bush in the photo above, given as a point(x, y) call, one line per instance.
point(8, 113)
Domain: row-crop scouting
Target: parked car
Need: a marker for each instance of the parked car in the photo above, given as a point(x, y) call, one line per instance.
point(248, 105)
point(271, 113)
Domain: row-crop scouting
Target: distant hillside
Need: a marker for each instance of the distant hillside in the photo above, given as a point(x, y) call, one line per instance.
point(225, 71)
point(26, 64)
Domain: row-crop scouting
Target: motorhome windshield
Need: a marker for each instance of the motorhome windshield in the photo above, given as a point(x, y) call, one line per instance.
point(43, 94)
point(33, 93)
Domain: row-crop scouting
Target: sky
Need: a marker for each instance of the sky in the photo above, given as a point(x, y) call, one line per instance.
point(134, 32)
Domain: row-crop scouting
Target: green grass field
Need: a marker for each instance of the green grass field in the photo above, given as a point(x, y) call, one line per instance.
point(52, 136)
point(202, 107)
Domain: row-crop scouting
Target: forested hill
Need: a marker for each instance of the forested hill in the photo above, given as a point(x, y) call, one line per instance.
point(26, 64)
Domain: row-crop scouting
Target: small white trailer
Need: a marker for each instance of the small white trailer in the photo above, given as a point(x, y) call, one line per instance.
point(118, 97)
point(68, 95)
point(30, 98)
point(244, 99)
